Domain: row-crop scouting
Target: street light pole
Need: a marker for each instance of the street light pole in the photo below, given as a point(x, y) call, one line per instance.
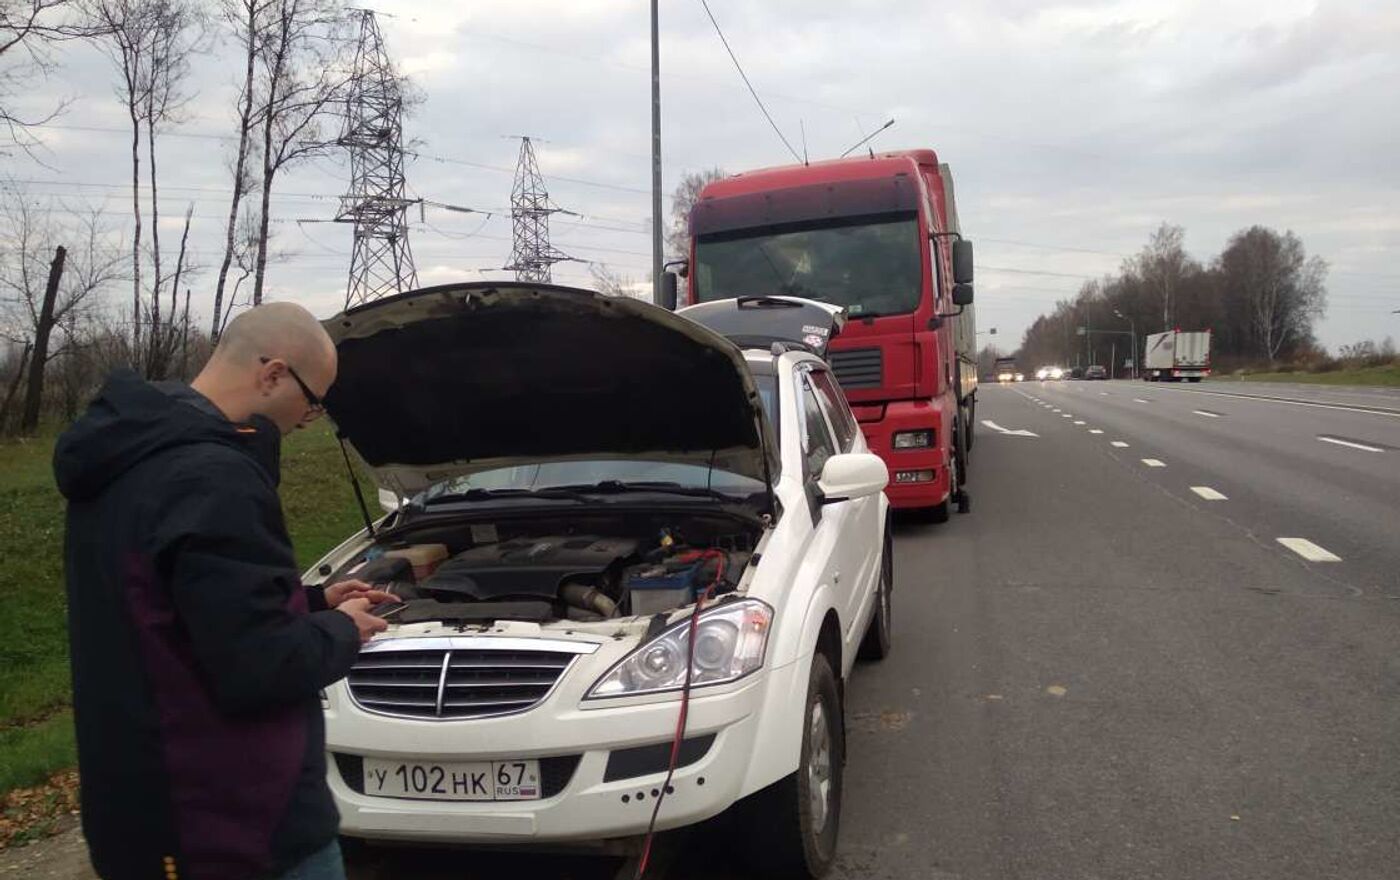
point(1132, 327)
point(656, 256)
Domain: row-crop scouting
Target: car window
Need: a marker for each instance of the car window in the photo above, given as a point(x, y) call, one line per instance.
point(817, 445)
point(837, 409)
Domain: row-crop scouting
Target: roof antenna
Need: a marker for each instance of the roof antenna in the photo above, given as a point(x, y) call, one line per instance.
point(803, 126)
point(863, 141)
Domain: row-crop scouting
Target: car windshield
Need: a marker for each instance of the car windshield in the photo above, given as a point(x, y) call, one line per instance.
point(872, 265)
point(556, 474)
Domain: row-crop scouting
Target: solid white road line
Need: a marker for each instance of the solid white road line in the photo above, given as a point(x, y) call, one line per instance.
point(1348, 443)
point(1209, 415)
point(1375, 411)
point(1154, 462)
point(1208, 493)
point(1120, 444)
point(1095, 431)
point(1308, 550)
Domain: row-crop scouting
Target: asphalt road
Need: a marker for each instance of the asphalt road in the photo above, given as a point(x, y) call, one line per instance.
point(1114, 669)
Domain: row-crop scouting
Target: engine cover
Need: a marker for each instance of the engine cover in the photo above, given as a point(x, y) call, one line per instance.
point(529, 567)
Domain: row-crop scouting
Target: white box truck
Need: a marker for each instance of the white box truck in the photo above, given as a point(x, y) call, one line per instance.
point(1176, 355)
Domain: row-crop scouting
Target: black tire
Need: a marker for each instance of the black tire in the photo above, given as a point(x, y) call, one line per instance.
point(788, 836)
point(876, 644)
point(1195, 378)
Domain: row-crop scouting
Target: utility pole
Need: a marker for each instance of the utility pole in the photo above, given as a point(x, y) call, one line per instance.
point(656, 255)
point(381, 262)
point(531, 254)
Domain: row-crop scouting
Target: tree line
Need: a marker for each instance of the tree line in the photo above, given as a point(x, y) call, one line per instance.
point(1260, 298)
point(58, 259)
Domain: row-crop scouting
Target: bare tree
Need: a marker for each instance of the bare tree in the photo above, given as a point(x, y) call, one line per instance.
point(301, 77)
point(50, 276)
point(1282, 289)
point(607, 281)
point(682, 201)
point(243, 19)
point(1164, 265)
point(28, 28)
point(149, 43)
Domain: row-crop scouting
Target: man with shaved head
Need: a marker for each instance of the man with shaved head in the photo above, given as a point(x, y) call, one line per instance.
point(197, 654)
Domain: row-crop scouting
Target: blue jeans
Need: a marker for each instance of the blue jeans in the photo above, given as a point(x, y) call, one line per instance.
point(324, 865)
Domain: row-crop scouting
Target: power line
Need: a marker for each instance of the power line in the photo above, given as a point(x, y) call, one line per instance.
point(740, 68)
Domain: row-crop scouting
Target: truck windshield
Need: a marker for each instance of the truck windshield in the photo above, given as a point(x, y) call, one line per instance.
point(870, 264)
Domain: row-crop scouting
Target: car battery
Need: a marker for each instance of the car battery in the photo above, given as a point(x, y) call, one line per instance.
point(655, 589)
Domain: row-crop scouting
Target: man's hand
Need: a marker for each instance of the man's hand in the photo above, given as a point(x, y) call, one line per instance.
point(352, 589)
point(357, 609)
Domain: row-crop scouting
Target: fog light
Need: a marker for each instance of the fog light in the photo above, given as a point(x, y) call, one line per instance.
point(913, 476)
point(913, 439)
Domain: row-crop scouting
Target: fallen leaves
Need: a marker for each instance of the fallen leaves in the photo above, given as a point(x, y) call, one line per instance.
point(28, 814)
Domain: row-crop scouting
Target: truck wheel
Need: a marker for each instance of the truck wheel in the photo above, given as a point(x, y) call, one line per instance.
point(792, 824)
point(876, 644)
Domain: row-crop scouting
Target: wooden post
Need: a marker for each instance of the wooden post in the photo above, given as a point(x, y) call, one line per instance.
point(33, 396)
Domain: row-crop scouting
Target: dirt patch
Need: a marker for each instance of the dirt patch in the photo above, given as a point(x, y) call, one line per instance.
point(28, 814)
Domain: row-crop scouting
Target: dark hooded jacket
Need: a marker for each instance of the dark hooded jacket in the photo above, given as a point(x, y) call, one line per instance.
point(197, 653)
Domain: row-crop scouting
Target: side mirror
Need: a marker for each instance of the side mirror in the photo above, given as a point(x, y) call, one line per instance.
point(962, 261)
point(852, 475)
point(962, 295)
point(682, 267)
point(668, 291)
point(388, 500)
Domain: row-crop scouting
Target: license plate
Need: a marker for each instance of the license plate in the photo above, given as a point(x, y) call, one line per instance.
point(456, 781)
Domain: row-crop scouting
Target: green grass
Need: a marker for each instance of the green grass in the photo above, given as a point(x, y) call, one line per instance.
point(34, 741)
point(1384, 375)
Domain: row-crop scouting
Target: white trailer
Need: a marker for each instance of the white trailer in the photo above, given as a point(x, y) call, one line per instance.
point(1176, 355)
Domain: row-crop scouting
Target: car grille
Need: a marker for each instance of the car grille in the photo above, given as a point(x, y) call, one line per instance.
point(454, 683)
point(857, 367)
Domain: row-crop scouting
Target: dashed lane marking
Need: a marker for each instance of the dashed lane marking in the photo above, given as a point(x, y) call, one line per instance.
point(1348, 443)
point(1308, 550)
point(1095, 431)
point(1120, 444)
point(1154, 462)
point(1208, 493)
point(1207, 413)
point(1079, 421)
point(1140, 400)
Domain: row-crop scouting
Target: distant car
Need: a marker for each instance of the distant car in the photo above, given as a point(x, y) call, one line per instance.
point(1020, 377)
point(1097, 371)
point(1049, 373)
point(1076, 373)
point(1006, 377)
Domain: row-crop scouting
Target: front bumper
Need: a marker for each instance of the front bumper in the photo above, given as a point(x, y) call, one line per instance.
point(584, 802)
point(911, 415)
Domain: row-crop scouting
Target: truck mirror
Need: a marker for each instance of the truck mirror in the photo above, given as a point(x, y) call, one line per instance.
point(962, 295)
point(682, 267)
point(668, 291)
point(962, 262)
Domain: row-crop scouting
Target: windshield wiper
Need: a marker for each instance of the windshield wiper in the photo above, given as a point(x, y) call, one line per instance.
point(472, 495)
point(618, 487)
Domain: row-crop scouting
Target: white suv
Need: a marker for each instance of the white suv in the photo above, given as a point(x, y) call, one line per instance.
point(578, 483)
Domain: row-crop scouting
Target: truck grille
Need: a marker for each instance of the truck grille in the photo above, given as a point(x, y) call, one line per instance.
point(857, 367)
point(454, 682)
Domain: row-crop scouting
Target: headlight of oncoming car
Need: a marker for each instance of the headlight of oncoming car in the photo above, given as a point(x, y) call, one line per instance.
point(729, 644)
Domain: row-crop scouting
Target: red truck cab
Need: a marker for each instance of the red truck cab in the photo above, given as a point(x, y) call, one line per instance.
point(880, 237)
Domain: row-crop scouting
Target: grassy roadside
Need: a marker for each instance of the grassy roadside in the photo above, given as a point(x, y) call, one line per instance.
point(36, 730)
point(1387, 375)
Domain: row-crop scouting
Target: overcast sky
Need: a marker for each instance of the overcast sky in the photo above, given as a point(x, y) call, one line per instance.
point(1072, 129)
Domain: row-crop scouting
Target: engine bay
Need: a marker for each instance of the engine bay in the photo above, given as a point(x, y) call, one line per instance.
point(588, 568)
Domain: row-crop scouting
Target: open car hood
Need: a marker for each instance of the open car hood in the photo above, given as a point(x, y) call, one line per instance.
point(462, 378)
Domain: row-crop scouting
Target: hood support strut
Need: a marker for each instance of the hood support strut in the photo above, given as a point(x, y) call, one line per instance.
point(355, 484)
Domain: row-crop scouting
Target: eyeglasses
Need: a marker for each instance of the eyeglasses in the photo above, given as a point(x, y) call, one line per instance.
point(315, 406)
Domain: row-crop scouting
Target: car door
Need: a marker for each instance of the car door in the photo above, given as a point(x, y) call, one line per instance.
point(864, 535)
point(832, 523)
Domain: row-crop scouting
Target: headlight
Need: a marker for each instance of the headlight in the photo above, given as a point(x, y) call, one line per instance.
point(729, 644)
point(913, 439)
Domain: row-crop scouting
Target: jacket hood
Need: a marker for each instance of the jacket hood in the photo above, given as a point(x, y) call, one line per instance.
point(459, 379)
point(132, 419)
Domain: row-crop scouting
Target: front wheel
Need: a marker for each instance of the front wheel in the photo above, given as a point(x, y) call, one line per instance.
point(792, 824)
